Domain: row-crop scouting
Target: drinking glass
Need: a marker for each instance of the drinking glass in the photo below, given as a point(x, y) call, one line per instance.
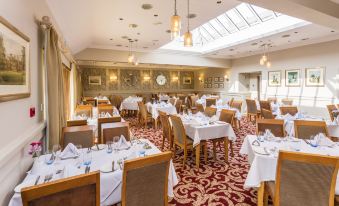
point(260, 136)
point(48, 157)
point(115, 143)
point(109, 147)
point(88, 157)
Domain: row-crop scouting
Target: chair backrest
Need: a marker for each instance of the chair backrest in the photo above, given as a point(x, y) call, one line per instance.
point(287, 102)
point(166, 125)
point(178, 130)
point(305, 179)
point(251, 106)
point(194, 98)
point(172, 100)
point(116, 129)
point(91, 102)
point(210, 111)
point(304, 129)
point(103, 101)
point(292, 110)
point(272, 99)
point(182, 97)
point(67, 191)
point(142, 189)
point(106, 109)
point(275, 125)
point(84, 109)
point(106, 120)
point(178, 105)
point(142, 110)
point(78, 135)
point(265, 105)
point(237, 104)
point(116, 101)
point(200, 107)
point(267, 114)
point(331, 108)
point(231, 101)
point(227, 116)
point(80, 122)
point(210, 102)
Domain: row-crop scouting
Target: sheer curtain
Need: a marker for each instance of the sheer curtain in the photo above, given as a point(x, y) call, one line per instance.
point(67, 96)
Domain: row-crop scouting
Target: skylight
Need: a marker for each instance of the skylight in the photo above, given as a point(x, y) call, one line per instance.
point(243, 23)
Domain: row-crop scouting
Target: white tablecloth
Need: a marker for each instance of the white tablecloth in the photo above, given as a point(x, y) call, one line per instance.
point(263, 167)
point(164, 107)
point(198, 129)
point(219, 108)
point(130, 103)
point(203, 102)
point(110, 183)
point(164, 97)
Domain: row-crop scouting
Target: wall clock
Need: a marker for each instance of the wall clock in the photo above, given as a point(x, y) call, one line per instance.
point(161, 80)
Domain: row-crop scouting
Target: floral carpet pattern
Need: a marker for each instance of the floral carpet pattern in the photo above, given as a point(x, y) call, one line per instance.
point(215, 183)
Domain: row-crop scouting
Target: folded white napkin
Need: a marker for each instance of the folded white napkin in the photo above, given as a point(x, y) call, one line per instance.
point(323, 140)
point(70, 151)
point(108, 114)
point(214, 118)
point(123, 144)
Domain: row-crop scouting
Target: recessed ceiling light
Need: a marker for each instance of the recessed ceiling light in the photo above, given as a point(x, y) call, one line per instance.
point(332, 31)
point(296, 32)
point(124, 37)
point(121, 19)
point(111, 39)
point(133, 25)
point(155, 40)
point(126, 46)
point(157, 23)
point(231, 49)
point(147, 6)
point(138, 33)
point(168, 31)
point(255, 43)
point(219, 2)
point(191, 16)
point(155, 15)
point(285, 36)
point(118, 45)
point(304, 39)
point(145, 47)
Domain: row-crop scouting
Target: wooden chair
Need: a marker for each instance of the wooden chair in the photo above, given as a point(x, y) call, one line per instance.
point(183, 141)
point(145, 180)
point(265, 105)
point(67, 191)
point(237, 104)
point(272, 99)
point(252, 110)
point(78, 135)
point(267, 114)
point(80, 122)
point(90, 101)
point(116, 101)
point(106, 108)
point(210, 111)
point(210, 102)
point(331, 109)
point(304, 129)
point(302, 179)
point(231, 101)
point(145, 117)
point(292, 110)
point(227, 116)
point(105, 120)
point(166, 129)
point(84, 110)
point(115, 129)
point(287, 102)
point(275, 125)
point(178, 104)
point(103, 101)
point(200, 108)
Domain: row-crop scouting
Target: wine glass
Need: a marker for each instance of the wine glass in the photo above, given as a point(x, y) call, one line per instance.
point(109, 147)
point(48, 157)
point(115, 143)
point(56, 151)
point(88, 157)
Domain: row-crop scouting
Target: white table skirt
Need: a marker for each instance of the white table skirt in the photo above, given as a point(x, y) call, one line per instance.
point(110, 183)
point(263, 167)
point(208, 132)
point(154, 108)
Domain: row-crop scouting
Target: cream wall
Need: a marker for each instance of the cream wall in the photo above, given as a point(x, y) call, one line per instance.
point(17, 128)
point(310, 99)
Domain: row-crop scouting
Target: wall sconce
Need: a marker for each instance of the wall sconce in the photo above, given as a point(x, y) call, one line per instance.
point(226, 78)
point(146, 78)
point(200, 80)
point(175, 78)
point(113, 78)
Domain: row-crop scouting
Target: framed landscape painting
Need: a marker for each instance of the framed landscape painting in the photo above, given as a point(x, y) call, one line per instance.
point(315, 77)
point(274, 78)
point(14, 63)
point(293, 78)
point(94, 80)
point(187, 80)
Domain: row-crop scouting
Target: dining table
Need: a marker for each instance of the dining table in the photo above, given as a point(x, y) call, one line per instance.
point(154, 108)
point(130, 103)
point(110, 181)
point(262, 154)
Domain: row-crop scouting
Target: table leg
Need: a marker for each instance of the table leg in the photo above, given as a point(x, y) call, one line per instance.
point(226, 143)
point(260, 197)
point(197, 155)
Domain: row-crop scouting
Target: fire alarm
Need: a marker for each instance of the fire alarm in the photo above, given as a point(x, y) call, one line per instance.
point(32, 112)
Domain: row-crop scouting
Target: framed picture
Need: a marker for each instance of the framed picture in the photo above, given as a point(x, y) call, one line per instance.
point(315, 77)
point(209, 79)
point(216, 86)
point(94, 80)
point(216, 79)
point(205, 85)
point(221, 85)
point(14, 63)
point(209, 85)
point(292, 78)
point(221, 79)
point(274, 78)
point(187, 80)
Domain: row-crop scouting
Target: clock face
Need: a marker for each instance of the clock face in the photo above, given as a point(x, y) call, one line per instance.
point(161, 79)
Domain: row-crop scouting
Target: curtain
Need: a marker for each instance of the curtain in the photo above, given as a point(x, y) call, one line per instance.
point(67, 97)
point(77, 85)
point(56, 111)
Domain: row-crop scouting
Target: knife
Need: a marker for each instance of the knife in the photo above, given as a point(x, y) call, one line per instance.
point(97, 146)
point(113, 166)
point(37, 180)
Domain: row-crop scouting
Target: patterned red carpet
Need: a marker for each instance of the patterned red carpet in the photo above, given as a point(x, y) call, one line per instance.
point(215, 183)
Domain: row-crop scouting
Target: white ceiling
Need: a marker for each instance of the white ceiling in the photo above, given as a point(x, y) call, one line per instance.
point(92, 24)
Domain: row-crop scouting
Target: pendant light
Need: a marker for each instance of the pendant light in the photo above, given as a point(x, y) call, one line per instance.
point(175, 23)
point(188, 39)
point(136, 60)
point(130, 58)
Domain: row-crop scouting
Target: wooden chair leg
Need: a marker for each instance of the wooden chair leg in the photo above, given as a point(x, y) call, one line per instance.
point(205, 152)
point(214, 150)
point(231, 148)
point(174, 151)
point(185, 156)
point(226, 143)
point(163, 143)
point(197, 155)
point(261, 191)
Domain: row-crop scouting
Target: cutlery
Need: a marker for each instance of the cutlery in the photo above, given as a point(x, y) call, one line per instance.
point(50, 177)
point(306, 142)
point(97, 146)
point(113, 166)
point(45, 179)
point(37, 180)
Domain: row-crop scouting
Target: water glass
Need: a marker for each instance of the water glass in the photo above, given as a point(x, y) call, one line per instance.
point(260, 137)
point(49, 158)
point(88, 157)
point(115, 143)
point(109, 147)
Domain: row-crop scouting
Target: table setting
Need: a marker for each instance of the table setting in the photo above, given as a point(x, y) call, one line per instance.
point(108, 159)
point(238, 114)
point(130, 103)
point(168, 108)
point(202, 101)
point(263, 150)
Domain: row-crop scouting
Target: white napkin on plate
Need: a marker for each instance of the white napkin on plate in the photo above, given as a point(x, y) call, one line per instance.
point(123, 144)
point(70, 152)
point(323, 140)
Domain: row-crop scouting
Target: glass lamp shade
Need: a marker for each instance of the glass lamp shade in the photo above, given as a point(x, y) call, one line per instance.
point(268, 64)
point(262, 62)
point(264, 58)
point(130, 58)
point(188, 40)
point(175, 26)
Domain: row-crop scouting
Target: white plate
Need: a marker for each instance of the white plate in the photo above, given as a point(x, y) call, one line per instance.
point(101, 147)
